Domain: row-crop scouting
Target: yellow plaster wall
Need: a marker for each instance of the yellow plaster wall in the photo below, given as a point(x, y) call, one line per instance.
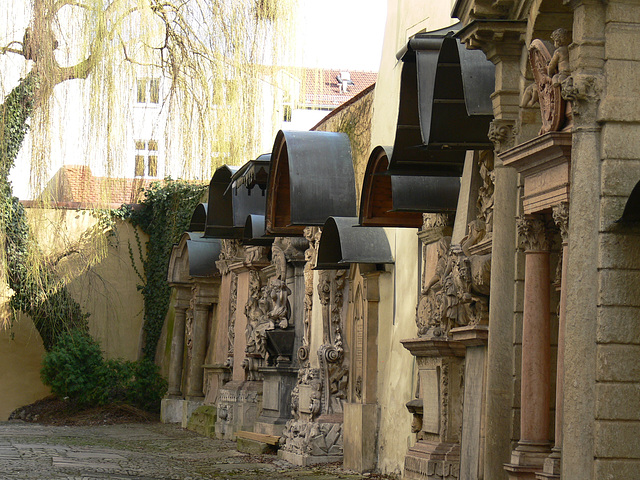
point(21, 352)
point(399, 290)
point(107, 291)
point(396, 366)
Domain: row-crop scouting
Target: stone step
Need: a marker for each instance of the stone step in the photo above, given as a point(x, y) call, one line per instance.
point(256, 443)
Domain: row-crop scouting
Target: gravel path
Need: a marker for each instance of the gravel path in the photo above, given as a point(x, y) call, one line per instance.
point(150, 451)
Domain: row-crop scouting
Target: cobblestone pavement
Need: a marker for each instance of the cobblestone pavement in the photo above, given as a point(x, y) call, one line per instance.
point(137, 452)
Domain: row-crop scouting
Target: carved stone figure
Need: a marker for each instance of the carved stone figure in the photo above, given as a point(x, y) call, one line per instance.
point(550, 68)
point(280, 312)
point(485, 192)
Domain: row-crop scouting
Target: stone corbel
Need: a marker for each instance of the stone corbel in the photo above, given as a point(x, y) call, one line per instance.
point(502, 134)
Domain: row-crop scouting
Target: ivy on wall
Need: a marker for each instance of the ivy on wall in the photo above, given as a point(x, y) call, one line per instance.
point(36, 289)
point(164, 215)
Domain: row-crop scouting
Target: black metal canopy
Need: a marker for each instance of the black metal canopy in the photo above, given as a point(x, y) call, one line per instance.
point(254, 231)
point(631, 212)
point(445, 105)
point(235, 193)
point(311, 179)
point(203, 253)
point(389, 200)
point(193, 256)
point(344, 242)
point(199, 218)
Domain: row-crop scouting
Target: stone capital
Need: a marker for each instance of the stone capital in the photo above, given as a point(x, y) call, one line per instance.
point(533, 233)
point(561, 218)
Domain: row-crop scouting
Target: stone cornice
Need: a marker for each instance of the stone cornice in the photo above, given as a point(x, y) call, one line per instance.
point(496, 38)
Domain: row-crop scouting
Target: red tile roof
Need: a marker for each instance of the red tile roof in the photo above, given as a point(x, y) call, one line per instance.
point(321, 86)
point(76, 187)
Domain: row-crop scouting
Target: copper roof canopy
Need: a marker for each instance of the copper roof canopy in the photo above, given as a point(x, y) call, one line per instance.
point(310, 180)
point(445, 105)
point(343, 242)
point(254, 231)
point(399, 201)
point(235, 193)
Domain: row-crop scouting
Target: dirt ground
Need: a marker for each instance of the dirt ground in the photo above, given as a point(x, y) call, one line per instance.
point(52, 410)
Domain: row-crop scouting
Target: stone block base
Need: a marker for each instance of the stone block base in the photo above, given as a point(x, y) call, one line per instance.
point(269, 428)
point(203, 420)
point(432, 461)
point(171, 410)
point(178, 410)
point(304, 460)
point(527, 461)
point(360, 432)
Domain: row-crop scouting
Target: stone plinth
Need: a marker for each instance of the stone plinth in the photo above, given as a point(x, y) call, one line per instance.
point(215, 376)
point(278, 382)
point(545, 165)
point(432, 460)
point(436, 454)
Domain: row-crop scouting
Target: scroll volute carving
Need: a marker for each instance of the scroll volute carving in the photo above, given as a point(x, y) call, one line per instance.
point(550, 67)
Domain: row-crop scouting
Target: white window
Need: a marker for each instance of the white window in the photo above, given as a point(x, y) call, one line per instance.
point(146, 158)
point(148, 90)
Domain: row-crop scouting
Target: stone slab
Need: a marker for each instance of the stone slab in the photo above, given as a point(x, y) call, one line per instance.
point(254, 447)
point(305, 460)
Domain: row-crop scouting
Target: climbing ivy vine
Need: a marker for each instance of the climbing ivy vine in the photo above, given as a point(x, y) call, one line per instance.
point(164, 215)
point(36, 289)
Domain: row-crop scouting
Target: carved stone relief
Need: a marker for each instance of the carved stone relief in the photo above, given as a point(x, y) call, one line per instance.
point(320, 392)
point(457, 294)
point(485, 192)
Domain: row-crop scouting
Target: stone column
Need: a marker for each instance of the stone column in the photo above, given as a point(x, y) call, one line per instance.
point(177, 343)
point(502, 43)
point(587, 54)
point(533, 447)
point(553, 463)
point(198, 351)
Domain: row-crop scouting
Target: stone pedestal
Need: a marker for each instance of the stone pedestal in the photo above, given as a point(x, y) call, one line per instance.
point(278, 382)
point(436, 454)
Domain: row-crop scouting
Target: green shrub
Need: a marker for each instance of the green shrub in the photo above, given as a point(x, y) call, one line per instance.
point(75, 368)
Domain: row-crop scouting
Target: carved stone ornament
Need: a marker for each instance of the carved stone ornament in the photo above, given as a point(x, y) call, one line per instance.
point(550, 67)
point(582, 90)
point(312, 236)
point(457, 294)
point(561, 218)
point(233, 301)
point(502, 134)
point(485, 192)
point(230, 249)
point(533, 233)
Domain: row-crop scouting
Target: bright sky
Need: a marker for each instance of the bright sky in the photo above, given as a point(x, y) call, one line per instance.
point(344, 34)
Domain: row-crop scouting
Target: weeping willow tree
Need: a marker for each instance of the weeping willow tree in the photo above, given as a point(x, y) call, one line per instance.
point(218, 63)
